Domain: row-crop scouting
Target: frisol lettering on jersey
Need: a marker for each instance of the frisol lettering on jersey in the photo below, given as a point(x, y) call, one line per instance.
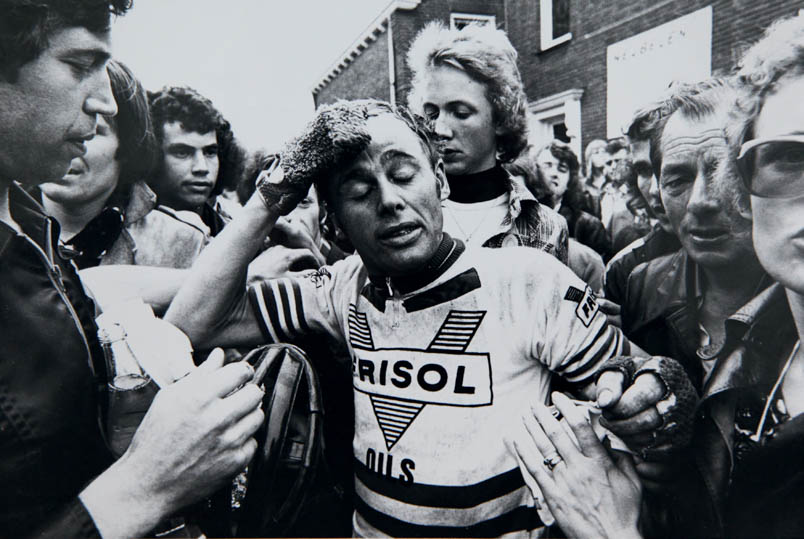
point(400, 382)
point(423, 376)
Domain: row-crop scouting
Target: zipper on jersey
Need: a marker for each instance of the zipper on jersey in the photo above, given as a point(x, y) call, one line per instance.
point(395, 312)
point(54, 274)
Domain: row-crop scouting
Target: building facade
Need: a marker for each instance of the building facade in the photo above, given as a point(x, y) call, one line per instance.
point(586, 64)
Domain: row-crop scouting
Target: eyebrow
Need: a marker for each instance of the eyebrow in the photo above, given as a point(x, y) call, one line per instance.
point(677, 168)
point(94, 53)
point(391, 155)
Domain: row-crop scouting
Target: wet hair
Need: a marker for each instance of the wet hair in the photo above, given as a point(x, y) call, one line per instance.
point(136, 150)
point(591, 148)
point(196, 113)
point(337, 135)
point(486, 55)
point(778, 54)
point(26, 26)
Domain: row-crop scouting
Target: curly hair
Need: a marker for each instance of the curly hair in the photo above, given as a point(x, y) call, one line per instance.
point(26, 26)
point(574, 195)
point(196, 113)
point(778, 54)
point(136, 150)
point(486, 55)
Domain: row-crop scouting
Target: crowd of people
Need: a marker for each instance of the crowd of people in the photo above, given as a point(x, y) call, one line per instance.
point(510, 340)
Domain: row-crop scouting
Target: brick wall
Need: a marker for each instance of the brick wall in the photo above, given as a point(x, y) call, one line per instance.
point(406, 24)
point(596, 24)
point(365, 77)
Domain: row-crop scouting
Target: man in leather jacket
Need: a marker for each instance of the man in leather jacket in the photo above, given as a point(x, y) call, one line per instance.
point(56, 474)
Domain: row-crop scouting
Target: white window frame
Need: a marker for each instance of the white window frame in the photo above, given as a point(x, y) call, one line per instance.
point(546, 23)
point(491, 20)
point(566, 106)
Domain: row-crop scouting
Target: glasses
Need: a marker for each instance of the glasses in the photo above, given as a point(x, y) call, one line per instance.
point(561, 167)
point(773, 167)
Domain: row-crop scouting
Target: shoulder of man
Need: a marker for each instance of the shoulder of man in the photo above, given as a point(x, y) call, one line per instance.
point(187, 217)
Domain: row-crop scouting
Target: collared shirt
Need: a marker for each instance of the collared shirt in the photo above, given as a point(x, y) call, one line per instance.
point(530, 224)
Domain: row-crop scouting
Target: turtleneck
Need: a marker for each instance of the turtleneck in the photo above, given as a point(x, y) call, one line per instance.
point(478, 186)
point(444, 257)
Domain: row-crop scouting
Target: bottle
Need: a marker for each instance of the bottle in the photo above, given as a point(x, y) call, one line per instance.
point(130, 390)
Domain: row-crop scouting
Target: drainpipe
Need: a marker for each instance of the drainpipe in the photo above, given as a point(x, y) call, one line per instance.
point(391, 63)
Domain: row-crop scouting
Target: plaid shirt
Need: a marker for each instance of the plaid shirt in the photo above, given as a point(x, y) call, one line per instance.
point(530, 224)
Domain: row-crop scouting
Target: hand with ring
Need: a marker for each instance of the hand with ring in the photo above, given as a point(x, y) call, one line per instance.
point(590, 492)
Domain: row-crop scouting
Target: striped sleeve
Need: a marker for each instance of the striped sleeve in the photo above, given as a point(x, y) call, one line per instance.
point(577, 337)
point(289, 308)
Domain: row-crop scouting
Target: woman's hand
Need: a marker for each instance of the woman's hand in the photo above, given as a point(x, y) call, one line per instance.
point(589, 492)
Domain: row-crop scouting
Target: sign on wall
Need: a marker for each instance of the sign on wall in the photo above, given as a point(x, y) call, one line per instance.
point(639, 69)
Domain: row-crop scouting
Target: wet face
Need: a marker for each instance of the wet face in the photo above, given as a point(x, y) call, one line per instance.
point(463, 118)
point(49, 112)
point(92, 177)
point(555, 173)
point(700, 200)
point(779, 222)
point(646, 181)
point(190, 168)
point(388, 200)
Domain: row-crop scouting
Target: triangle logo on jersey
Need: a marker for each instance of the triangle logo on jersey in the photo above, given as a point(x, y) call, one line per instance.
point(394, 417)
point(395, 414)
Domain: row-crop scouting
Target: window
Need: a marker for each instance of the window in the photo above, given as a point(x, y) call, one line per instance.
point(459, 20)
point(557, 116)
point(555, 22)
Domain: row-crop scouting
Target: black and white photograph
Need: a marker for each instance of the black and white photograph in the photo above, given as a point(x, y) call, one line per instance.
point(401, 268)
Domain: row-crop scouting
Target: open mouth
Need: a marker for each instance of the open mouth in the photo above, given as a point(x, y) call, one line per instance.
point(708, 234)
point(399, 234)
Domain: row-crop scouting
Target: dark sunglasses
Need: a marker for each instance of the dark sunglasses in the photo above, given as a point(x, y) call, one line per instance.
point(773, 167)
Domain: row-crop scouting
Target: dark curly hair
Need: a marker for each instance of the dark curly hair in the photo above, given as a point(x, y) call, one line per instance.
point(27, 25)
point(196, 113)
point(574, 196)
point(486, 55)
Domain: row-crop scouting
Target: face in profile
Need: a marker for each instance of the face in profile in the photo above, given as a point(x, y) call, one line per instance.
point(779, 168)
point(190, 168)
point(462, 118)
point(92, 177)
point(48, 114)
point(556, 174)
point(700, 197)
point(388, 200)
point(647, 183)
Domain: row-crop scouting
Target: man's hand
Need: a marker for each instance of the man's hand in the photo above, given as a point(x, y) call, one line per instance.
point(194, 438)
point(648, 402)
point(611, 310)
point(292, 233)
point(280, 261)
point(280, 192)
